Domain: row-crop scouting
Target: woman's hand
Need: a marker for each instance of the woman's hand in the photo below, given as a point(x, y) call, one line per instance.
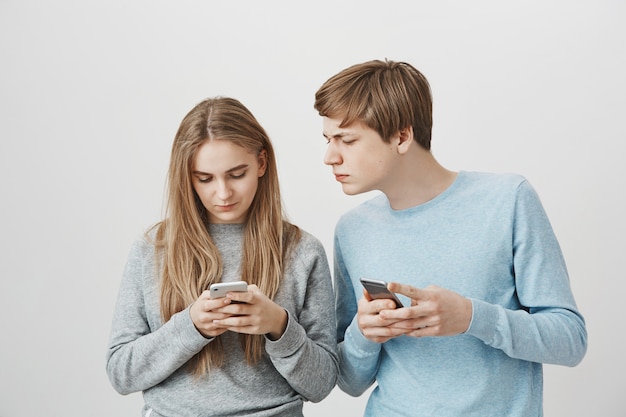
point(203, 314)
point(254, 313)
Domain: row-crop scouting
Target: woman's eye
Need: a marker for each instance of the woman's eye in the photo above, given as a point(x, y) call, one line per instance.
point(238, 175)
point(204, 179)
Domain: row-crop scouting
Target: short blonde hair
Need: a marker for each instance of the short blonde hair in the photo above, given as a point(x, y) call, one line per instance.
point(386, 96)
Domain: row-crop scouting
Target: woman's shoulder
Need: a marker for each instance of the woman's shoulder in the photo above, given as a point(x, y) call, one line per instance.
point(308, 239)
point(307, 254)
point(144, 243)
point(306, 244)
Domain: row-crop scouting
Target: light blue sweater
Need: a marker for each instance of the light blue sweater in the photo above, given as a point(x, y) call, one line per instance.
point(488, 238)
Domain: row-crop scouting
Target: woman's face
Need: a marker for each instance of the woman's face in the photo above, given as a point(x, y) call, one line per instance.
point(225, 177)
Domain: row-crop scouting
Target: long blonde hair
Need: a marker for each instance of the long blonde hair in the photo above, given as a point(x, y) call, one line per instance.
point(190, 261)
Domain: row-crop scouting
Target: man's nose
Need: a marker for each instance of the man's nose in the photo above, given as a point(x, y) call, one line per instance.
point(332, 156)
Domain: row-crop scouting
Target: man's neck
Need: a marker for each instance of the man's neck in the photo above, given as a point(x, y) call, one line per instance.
point(417, 179)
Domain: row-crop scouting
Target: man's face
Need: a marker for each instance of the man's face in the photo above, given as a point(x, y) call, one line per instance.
point(361, 161)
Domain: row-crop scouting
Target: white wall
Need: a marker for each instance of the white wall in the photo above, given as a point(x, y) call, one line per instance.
point(91, 94)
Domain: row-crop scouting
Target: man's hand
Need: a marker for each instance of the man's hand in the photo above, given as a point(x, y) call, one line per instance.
point(434, 311)
point(372, 324)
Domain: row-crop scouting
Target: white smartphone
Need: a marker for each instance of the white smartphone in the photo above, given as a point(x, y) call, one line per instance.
point(378, 289)
point(219, 289)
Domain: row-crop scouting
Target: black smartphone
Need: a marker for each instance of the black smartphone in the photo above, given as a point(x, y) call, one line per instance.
point(378, 289)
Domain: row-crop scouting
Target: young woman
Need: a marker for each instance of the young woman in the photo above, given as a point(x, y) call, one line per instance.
point(261, 352)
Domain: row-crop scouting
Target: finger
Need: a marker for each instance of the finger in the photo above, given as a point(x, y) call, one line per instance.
point(397, 314)
point(373, 321)
point(251, 296)
point(213, 304)
point(368, 297)
point(202, 306)
point(206, 319)
point(424, 331)
point(410, 325)
point(231, 321)
point(240, 324)
point(240, 297)
point(381, 334)
point(407, 290)
point(366, 306)
point(234, 309)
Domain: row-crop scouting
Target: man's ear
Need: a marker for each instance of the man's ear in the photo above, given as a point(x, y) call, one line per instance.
point(262, 159)
point(405, 139)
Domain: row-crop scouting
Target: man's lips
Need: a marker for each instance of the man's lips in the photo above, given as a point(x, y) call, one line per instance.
point(340, 177)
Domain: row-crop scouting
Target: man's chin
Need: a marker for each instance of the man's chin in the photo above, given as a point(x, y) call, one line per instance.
point(351, 190)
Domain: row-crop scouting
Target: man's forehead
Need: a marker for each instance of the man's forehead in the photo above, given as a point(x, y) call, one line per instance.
point(332, 128)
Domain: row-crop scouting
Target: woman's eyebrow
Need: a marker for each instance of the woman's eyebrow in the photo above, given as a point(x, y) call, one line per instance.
point(236, 168)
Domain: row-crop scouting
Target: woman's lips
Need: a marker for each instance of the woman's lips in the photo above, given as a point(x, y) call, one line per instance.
point(227, 207)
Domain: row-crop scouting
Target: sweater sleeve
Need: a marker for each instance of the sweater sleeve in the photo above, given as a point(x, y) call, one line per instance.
point(549, 327)
point(140, 356)
point(306, 354)
point(358, 356)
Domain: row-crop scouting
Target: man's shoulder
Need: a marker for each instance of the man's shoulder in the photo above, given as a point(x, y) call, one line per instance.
point(492, 178)
point(489, 182)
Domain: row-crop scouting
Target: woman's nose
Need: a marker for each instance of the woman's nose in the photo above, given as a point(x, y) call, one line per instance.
point(223, 190)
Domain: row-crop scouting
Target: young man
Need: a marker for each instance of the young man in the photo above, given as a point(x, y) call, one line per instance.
point(486, 293)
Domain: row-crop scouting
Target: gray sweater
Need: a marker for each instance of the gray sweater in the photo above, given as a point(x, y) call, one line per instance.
point(148, 355)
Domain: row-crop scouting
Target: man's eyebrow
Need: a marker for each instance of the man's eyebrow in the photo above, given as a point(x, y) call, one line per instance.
point(237, 168)
point(336, 135)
